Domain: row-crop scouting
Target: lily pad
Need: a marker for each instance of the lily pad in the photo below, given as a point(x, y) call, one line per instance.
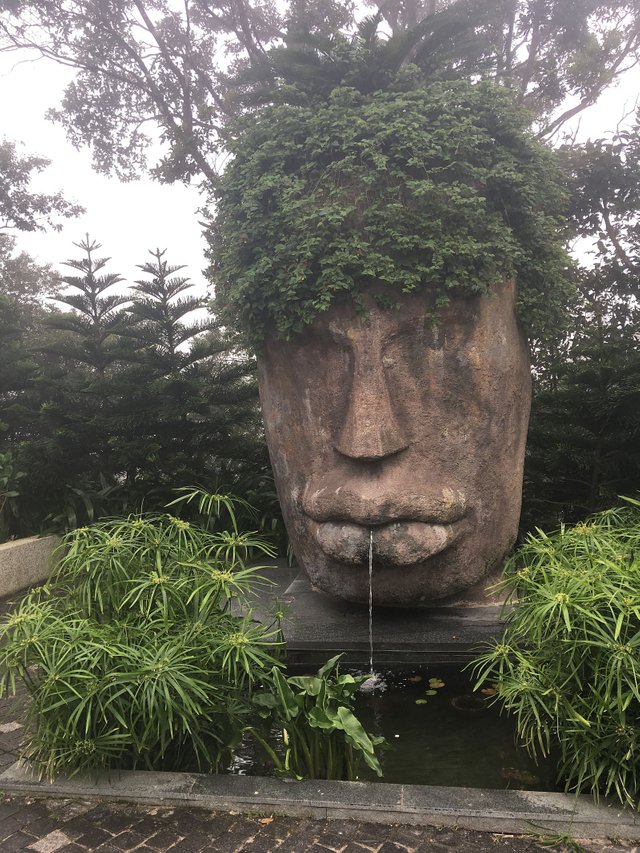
point(421, 701)
point(431, 692)
point(436, 683)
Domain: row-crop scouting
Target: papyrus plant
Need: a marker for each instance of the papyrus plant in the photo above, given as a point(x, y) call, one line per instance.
point(141, 651)
point(568, 665)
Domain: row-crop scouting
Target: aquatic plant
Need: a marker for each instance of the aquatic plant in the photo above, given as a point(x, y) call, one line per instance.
point(322, 737)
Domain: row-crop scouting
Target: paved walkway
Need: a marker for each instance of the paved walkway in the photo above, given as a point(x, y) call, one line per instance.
point(74, 826)
point(62, 826)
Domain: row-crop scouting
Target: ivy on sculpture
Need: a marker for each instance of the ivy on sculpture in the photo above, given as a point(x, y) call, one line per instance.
point(439, 186)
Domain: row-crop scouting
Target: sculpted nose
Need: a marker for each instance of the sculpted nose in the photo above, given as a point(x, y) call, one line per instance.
point(371, 429)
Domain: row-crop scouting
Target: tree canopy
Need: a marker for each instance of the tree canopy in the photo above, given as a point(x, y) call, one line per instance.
point(22, 209)
point(149, 71)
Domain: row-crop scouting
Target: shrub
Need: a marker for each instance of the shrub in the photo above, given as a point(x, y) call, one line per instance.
point(142, 651)
point(132, 654)
point(568, 665)
point(438, 188)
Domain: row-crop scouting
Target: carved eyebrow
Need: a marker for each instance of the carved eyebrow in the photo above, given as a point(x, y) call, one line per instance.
point(405, 325)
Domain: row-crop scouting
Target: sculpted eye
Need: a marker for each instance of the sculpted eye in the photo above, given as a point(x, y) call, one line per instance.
point(338, 335)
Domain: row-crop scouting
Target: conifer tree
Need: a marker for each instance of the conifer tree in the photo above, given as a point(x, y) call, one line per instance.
point(83, 348)
point(95, 322)
point(188, 409)
point(584, 437)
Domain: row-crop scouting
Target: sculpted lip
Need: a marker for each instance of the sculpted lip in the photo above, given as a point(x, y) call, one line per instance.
point(409, 526)
point(400, 543)
point(377, 504)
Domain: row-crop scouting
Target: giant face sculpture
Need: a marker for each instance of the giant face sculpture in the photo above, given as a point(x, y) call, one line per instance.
point(407, 423)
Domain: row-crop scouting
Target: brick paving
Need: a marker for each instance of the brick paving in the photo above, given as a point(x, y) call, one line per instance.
point(66, 826)
point(73, 826)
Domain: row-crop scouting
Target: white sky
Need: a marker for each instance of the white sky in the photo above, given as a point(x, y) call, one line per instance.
point(129, 218)
point(126, 218)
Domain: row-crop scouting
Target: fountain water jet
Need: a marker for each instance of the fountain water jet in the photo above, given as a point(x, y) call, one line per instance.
point(371, 603)
point(375, 681)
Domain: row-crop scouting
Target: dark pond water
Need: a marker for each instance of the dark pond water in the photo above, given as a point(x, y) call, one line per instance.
point(453, 737)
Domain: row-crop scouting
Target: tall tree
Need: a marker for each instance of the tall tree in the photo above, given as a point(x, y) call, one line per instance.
point(584, 440)
point(159, 309)
point(188, 406)
point(605, 201)
point(85, 348)
point(23, 287)
point(24, 284)
point(21, 208)
point(143, 64)
point(96, 318)
point(23, 280)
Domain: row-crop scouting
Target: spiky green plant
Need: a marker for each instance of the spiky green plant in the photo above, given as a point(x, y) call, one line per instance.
point(141, 651)
point(568, 665)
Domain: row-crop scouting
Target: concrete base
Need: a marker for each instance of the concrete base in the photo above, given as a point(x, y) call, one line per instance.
point(318, 626)
point(491, 811)
point(25, 563)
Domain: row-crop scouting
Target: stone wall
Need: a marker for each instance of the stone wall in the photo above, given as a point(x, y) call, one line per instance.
point(25, 563)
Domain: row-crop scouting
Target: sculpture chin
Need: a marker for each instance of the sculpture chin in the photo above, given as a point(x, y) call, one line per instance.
point(397, 543)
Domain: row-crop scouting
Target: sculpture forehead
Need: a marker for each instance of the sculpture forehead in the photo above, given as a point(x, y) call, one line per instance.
point(485, 322)
point(345, 324)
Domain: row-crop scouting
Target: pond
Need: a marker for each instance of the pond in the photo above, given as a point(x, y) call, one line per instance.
point(442, 733)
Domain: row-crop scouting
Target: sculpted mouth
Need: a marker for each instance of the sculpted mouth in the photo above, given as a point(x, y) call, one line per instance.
point(400, 543)
point(409, 526)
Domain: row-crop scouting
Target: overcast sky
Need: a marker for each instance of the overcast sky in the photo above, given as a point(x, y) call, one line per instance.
point(129, 218)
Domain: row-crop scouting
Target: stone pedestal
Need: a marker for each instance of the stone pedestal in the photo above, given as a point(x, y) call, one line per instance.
point(319, 626)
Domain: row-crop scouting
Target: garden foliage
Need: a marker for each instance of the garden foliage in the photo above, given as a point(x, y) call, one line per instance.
point(322, 737)
point(568, 665)
point(107, 404)
point(142, 650)
point(436, 187)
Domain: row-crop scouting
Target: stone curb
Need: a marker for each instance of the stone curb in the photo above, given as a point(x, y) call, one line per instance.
point(417, 805)
point(25, 562)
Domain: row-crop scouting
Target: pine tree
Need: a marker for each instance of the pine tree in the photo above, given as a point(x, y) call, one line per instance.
point(188, 412)
point(584, 437)
point(82, 360)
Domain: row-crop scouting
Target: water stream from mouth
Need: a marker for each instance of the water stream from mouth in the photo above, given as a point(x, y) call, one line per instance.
point(371, 604)
point(374, 681)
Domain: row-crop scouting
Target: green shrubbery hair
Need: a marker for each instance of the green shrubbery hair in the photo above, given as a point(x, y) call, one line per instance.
point(439, 187)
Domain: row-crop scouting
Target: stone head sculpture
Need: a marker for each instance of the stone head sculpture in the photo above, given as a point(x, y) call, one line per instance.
point(406, 427)
point(380, 265)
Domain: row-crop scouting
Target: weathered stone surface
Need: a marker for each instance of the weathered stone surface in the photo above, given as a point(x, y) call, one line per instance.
point(409, 428)
point(25, 562)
